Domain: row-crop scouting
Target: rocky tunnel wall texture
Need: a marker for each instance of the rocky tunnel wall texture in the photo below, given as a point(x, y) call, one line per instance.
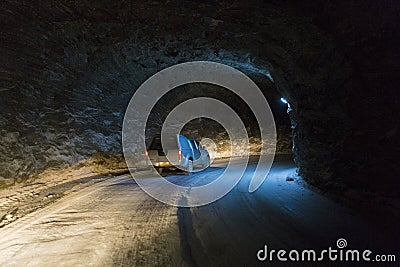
point(69, 68)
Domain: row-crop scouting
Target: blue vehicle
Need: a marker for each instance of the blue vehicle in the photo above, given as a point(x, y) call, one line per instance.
point(184, 153)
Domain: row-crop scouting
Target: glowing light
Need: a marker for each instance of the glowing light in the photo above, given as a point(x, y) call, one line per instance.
point(287, 103)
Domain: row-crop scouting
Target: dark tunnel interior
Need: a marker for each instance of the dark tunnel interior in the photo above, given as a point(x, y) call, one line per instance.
point(68, 69)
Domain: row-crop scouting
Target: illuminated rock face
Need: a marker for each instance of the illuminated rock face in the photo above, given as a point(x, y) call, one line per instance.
point(68, 70)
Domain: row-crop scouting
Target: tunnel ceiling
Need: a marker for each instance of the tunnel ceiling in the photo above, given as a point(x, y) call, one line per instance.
point(68, 70)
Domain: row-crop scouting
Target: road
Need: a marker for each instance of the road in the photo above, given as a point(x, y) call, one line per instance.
point(114, 223)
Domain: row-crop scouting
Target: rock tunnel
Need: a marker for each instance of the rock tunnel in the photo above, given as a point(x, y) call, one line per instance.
point(68, 70)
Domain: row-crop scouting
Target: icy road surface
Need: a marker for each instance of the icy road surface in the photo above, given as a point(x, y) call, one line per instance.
point(114, 223)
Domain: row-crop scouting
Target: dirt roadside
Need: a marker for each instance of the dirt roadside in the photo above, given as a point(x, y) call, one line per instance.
point(21, 199)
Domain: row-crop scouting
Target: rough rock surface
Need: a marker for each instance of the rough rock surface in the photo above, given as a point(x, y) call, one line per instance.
point(68, 70)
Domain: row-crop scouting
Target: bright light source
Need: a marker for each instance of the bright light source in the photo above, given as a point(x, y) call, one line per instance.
point(287, 103)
